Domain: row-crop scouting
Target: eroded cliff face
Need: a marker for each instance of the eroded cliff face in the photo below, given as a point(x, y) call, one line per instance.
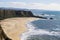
point(8, 13)
point(3, 36)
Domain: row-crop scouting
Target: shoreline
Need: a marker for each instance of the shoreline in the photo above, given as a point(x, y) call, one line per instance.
point(18, 24)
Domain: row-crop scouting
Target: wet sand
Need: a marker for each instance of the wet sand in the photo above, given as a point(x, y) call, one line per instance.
point(14, 27)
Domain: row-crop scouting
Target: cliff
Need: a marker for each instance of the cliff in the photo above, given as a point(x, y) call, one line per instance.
point(9, 13)
point(14, 27)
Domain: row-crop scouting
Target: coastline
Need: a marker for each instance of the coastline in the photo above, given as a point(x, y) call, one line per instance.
point(14, 27)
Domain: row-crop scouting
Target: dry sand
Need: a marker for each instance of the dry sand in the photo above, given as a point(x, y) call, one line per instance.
point(14, 27)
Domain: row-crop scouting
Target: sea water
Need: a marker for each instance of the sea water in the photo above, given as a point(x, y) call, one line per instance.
point(43, 27)
point(47, 13)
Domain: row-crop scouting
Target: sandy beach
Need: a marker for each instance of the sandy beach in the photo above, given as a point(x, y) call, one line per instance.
point(14, 27)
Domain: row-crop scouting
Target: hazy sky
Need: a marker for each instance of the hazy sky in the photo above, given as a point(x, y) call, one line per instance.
point(31, 1)
point(32, 4)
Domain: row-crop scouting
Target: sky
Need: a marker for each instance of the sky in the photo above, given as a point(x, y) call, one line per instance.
point(32, 4)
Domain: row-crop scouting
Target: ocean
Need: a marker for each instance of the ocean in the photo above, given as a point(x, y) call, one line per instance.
point(43, 29)
point(48, 28)
point(47, 13)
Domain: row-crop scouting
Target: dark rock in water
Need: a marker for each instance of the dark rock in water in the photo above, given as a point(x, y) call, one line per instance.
point(51, 18)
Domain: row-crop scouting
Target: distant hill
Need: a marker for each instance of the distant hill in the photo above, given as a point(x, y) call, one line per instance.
point(16, 12)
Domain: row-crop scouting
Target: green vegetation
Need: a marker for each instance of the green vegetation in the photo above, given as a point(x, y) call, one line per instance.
point(8, 13)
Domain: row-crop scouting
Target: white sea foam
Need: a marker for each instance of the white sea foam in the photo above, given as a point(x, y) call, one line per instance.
point(33, 31)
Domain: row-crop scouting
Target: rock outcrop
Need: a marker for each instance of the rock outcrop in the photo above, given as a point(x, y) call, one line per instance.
point(8, 13)
point(3, 36)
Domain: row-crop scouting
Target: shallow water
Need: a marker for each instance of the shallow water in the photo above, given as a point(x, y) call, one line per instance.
point(50, 28)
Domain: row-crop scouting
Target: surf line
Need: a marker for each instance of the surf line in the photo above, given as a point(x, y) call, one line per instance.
point(27, 33)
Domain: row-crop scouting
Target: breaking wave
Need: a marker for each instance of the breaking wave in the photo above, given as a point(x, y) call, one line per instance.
point(32, 30)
